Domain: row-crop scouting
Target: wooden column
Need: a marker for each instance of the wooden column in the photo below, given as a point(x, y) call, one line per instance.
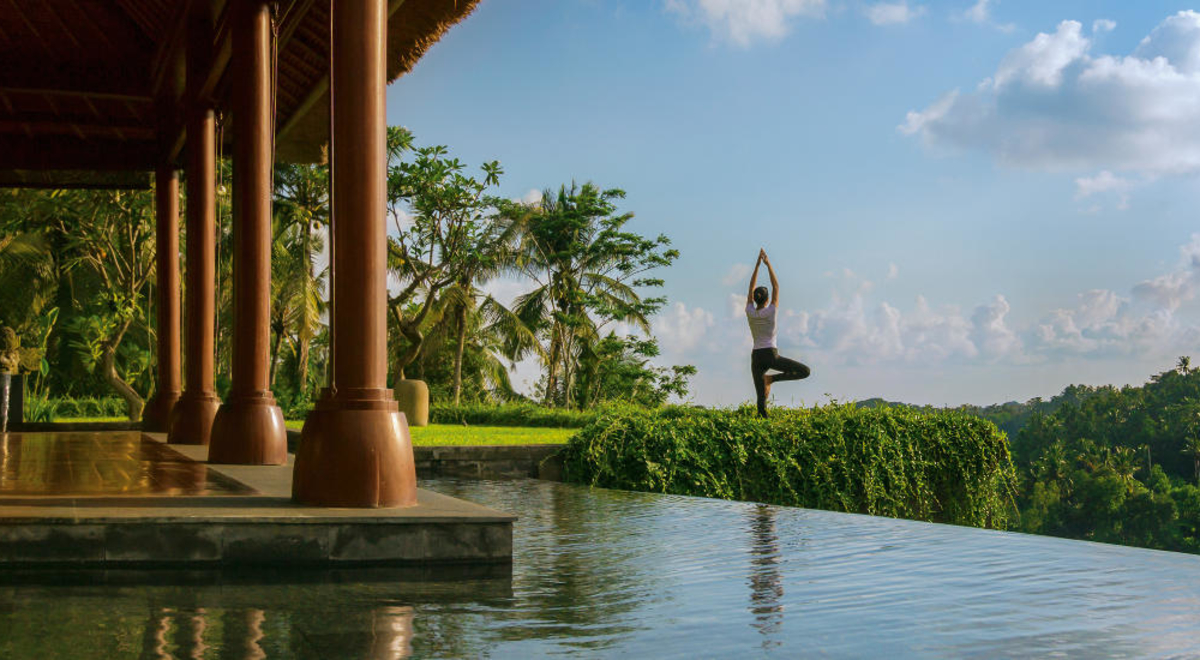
point(166, 193)
point(249, 428)
point(191, 420)
point(355, 448)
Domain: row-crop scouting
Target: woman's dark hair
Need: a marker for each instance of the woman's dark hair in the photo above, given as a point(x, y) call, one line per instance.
point(760, 295)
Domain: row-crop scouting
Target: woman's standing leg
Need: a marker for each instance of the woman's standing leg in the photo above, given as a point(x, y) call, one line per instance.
point(760, 361)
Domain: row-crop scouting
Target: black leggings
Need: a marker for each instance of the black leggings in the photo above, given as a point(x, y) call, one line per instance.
point(764, 359)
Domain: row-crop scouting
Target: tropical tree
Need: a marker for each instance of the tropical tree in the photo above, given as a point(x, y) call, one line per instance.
point(109, 235)
point(441, 227)
point(302, 210)
point(619, 369)
point(587, 271)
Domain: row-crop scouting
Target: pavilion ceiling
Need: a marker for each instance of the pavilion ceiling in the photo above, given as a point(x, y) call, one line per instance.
point(98, 85)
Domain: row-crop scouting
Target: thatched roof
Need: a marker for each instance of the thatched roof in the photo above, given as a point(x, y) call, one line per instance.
point(413, 28)
point(97, 85)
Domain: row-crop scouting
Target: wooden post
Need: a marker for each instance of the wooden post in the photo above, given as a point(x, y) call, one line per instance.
point(192, 417)
point(249, 428)
point(166, 194)
point(355, 449)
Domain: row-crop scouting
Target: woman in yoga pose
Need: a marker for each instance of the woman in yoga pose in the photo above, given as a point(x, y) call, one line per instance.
point(765, 356)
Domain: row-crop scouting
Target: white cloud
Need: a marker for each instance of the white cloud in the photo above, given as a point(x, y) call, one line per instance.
point(1103, 25)
point(981, 13)
point(1052, 105)
point(680, 329)
point(990, 332)
point(893, 271)
point(745, 22)
point(737, 273)
point(1104, 183)
point(856, 328)
point(533, 196)
point(892, 13)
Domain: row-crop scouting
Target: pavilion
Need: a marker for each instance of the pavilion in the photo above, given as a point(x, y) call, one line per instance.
point(103, 93)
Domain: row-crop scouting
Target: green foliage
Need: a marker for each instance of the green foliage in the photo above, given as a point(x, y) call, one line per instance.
point(618, 369)
point(943, 467)
point(1113, 464)
point(589, 272)
point(513, 414)
point(86, 406)
point(442, 228)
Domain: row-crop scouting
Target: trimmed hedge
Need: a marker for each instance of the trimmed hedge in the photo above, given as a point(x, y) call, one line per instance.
point(942, 467)
point(512, 414)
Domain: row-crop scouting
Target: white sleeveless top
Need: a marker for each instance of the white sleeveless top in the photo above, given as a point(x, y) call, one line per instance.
point(762, 325)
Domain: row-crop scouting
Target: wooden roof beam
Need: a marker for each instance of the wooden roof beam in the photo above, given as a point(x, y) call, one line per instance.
point(60, 152)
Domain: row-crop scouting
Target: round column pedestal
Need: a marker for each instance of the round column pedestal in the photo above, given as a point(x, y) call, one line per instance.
point(355, 451)
point(156, 417)
point(412, 396)
point(192, 419)
point(249, 430)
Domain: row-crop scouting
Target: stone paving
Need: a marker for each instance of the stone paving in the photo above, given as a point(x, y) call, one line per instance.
point(127, 499)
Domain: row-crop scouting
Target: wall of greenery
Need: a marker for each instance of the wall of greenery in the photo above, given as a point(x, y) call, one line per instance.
point(942, 467)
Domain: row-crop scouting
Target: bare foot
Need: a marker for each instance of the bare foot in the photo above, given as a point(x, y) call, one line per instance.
point(767, 380)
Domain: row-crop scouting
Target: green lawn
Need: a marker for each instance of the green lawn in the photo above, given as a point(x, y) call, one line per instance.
point(457, 434)
point(439, 434)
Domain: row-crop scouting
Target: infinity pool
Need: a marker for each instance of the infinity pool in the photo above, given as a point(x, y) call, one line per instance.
point(601, 573)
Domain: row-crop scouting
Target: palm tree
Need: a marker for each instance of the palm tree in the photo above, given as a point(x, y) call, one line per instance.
point(586, 269)
point(496, 255)
point(302, 205)
point(298, 297)
point(1192, 448)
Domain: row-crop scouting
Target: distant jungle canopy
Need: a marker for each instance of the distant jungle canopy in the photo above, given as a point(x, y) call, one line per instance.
point(77, 285)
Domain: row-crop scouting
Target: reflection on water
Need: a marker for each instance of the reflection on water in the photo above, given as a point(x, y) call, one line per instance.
point(78, 463)
point(607, 573)
point(766, 581)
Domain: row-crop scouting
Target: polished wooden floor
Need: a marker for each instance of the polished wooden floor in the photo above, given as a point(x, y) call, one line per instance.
point(103, 463)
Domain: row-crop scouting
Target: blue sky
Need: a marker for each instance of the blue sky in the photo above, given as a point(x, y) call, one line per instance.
point(965, 201)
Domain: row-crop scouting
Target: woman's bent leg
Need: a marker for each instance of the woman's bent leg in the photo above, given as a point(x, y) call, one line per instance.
point(791, 369)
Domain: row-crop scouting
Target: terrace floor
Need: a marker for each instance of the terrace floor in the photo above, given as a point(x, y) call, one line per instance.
point(128, 498)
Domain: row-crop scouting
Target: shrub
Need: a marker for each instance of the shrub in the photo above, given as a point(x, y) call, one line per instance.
point(943, 466)
point(513, 414)
point(79, 407)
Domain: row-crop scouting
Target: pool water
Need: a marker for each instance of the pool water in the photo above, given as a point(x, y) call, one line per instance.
point(600, 573)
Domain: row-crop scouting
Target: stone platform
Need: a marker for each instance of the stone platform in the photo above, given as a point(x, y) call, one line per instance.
point(117, 499)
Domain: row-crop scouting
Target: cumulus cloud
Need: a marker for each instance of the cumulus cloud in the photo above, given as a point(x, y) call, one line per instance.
point(1053, 105)
point(857, 328)
point(893, 271)
point(746, 22)
point(680, 329)
point(1103, 25)
point(892, 13)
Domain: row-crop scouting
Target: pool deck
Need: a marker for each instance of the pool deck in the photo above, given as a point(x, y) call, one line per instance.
point(116, 499)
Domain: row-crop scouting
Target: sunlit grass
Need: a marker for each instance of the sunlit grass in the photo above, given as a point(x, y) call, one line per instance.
point(457, 434)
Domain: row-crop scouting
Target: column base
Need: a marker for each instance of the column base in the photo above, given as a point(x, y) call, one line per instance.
point(192, 418)
point(355, 451)
point(156, 416)
point(249, 430)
